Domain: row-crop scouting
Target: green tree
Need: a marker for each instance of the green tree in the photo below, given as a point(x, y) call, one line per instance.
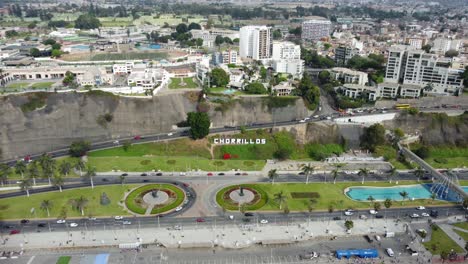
point(219, 77)
point(20, 168)
point(35, 52)
point(335, 174)
point(199, 42)
point(79, 148)
point(11, 34)
point(255, 88)
point(58, 181)
point(87, 21)
point(5, 172)
point(272, 175)
point(309, 92)
point(263, 73)
point(372, 137)
point(79, 165)
point(465, 203)
point(194, 25)
point(392, 173)
point(219, 40)
point(280, 198)
point(69, 79)
point(388, 203)
point(199, 123)
point(404, 195)
point(65, 167)
point(426, 48)
point(80, 204)
point(419, 173)
point(451, 53)
point(26, 185)
point(90, 173)
point(349, 224)
point(56, 53)
point(324, 77)
point(308, 170)
point(363, 172)
point(377, 206)
point(46, 205)
point(182, 28)
point(33, 171)
point(49, 41)
point(277, 34)
point(423, 152)
point(126, 145)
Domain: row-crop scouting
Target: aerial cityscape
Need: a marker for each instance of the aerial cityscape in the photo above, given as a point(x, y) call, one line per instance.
point(233, 131)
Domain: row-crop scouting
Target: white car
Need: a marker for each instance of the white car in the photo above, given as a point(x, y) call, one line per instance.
point(373, 212)
point(61, 221)
point(116, 142)
point(118, 217)
point(421, 208)
point(349, 213)
point(170, 134)
point(414, 216)
point(263, 221)
point(316, 116)
point(126, 222)
point(363, 217)
point(302, 121)
point(73, 225)
point(177, 227)
point(425, 214)
point(178, 209)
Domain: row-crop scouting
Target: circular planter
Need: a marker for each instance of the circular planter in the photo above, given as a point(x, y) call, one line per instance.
point(225, 198)
point(135, 202)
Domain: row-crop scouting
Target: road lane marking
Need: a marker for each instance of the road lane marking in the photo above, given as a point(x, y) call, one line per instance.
point(31, 260)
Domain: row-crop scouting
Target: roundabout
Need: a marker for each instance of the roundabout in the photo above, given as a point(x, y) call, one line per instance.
point(244, 195)
point(154, 199)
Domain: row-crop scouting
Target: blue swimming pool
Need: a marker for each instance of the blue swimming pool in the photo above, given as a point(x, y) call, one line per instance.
point(80, 47)
point(418, 191)
point(229, 91)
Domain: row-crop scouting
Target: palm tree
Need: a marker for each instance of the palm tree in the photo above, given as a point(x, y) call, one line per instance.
point(392, 173)
point(48, 166)
point(4, 173)
point(46, 205)
point(26, 185)
point(80, 166)
point(33, 171)
point(58, 181)
point(272, 175)
point(308, 170)
point(280, 198)
point(388, 203)
point(363, 172)
point(80, 204)
point(377, 206)
point(20, 168)
point(334, 174)
point(404, 195)
point(419, 172)
point(90, 173)
point(371, 199)
point(65, 168)
point(433, 196)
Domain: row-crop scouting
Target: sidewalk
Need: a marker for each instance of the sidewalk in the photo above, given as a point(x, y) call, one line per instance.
point(229, 236)
point(448, 229)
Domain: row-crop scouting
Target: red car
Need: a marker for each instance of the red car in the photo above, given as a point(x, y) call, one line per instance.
point(186, 184)
point(200, 220)
point(14, 232)
point(209, 174)
point(137, 137)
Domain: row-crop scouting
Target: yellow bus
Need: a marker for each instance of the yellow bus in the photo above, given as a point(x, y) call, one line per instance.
point(402, 106)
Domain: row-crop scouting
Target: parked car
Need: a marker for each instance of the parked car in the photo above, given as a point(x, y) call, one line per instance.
point(118, 217)
point(24, 221)
point(178, 209)
point(263, 221)
point(221, 174)
point(170, 134)
point(425, 214)
point(159, 174)
point(414, 216)
point(373, 212)
point(73, 225)
point(237, 174)
point(248, 214)
point(309, 255)
point(368, 238)
point(14, 232)
point(421, 208)
point(143, 174)
point(390, 252)
point(348, 212)
point(125, 174)
point(137, 137)
point(200, 220)
point(61, 221)
point(209, 174)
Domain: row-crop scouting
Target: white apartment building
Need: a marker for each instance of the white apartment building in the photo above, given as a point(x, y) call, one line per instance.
point(343, 54)
point(349, 76)
point(229, 56)
point(315, 29)
point(388, 89)
point(148, 78)
point(282, 89)
point(359, 91)
point(255, 42)
point(293, 67)
point(410, 91)
point(395, 63)
point(442, 45)
point(432, 70)
point(286, 50)
point(124, 68)
point(416, 42)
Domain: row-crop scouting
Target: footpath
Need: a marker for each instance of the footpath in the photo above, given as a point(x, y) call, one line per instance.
point(201, 236)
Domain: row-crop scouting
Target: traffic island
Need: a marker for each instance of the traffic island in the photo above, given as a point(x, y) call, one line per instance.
point(154, 199)
point(246, 196)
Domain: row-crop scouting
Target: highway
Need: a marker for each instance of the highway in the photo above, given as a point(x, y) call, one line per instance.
point(182, 134)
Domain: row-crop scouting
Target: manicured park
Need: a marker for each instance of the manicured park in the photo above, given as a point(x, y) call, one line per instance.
point(298, 196)
point(440, 241)
point(135, 199)
point(182, 83)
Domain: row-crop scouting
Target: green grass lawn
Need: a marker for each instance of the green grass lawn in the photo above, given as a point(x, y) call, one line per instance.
point(64, 260)
point(171, 163)
point(14, 176)
point(176, 83)
point(330, 194)
point(440, 241)
point(20, 207)
point(390, 155)
point(447, 157)
point(463, 225)
point(17, 85)
point(42, 85)
point(462, 234)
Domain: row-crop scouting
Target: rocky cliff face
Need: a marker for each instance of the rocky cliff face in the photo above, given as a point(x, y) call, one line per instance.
point(66, 117)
